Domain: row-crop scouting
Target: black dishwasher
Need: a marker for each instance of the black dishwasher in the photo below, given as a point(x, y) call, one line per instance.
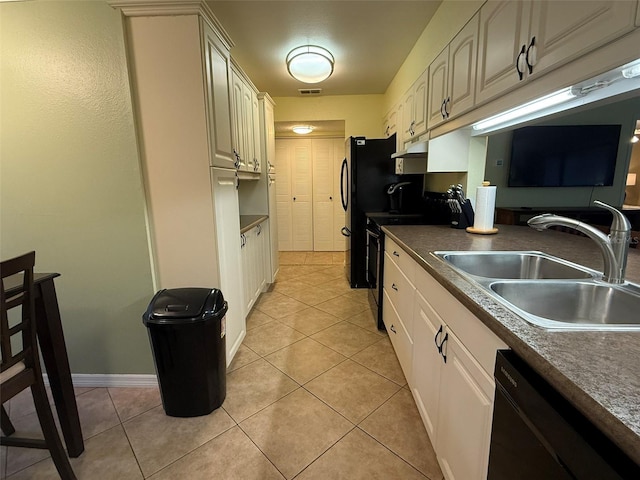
point(537, 434)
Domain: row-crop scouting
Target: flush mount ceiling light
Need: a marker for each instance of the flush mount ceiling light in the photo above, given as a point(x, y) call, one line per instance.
point(302, 129)
point(310, 64)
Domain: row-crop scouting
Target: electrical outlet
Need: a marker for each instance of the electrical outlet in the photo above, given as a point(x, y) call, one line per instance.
point(499, 162)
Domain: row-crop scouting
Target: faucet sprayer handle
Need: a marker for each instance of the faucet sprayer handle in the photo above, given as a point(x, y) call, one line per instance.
point(620, 222)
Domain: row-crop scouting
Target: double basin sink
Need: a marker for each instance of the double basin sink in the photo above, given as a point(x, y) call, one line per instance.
point(550, 292)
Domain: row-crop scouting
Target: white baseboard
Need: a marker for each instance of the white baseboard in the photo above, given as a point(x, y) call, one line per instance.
point(118, 380)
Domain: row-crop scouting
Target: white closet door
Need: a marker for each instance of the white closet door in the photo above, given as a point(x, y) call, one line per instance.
point(283, 195)
point(302, 196)
point(323, 197)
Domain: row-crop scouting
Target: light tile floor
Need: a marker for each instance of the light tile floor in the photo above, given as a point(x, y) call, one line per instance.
point(315, 392)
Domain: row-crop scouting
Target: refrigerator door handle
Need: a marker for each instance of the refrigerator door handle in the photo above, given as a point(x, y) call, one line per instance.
point(345, 231)
point(344, 187)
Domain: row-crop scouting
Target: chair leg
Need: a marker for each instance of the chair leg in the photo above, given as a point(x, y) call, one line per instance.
point(51, 436)
point(5, 422)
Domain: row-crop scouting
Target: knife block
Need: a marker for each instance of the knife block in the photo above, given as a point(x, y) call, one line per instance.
point(465, 218)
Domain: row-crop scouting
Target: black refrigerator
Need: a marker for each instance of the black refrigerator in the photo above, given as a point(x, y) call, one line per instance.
point(366, 173)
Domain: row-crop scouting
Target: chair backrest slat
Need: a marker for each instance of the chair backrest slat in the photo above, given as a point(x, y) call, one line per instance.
point(12, 354)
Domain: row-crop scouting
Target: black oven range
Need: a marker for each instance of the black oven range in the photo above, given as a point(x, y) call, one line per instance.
point(375, 253)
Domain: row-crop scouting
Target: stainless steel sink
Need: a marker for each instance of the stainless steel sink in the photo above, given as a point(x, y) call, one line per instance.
point(572, 305)
point(548, 291)
point(515, 265)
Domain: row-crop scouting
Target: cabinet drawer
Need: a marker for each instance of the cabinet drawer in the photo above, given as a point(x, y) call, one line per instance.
point(400, 292)
point(475, 335)
point(398, 335)
point(401, 258)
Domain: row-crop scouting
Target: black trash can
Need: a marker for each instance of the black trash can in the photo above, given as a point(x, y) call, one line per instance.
point(187, 333)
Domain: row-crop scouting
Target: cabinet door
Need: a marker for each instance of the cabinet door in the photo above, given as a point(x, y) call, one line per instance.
point(400, 291)
point(323, 199)
point(420, 94)
point(246, 273)
point(265, 255)
point(504, 30)
point(227, 216)
point(273, 228)
point(464, 414)
point(257, 142)
point(247, 130)
point(238, 121)
point(391, 122)
point(400, 338)
point(428, 329)
point(218, 99)
point(462, 69)
point(438, 78)
point(408, 118)
point(564, 31)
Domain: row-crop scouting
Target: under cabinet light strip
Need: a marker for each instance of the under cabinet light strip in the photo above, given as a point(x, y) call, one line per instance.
point(547, 101)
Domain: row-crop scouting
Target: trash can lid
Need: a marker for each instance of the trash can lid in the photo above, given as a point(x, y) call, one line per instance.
point(179, 305)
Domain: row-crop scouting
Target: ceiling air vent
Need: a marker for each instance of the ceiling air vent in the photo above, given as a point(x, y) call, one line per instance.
point(310, 91)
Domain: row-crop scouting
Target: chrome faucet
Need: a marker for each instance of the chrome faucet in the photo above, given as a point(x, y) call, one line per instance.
point(614, 246)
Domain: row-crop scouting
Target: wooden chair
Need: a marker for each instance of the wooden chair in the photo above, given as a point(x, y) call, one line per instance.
point(20, 364)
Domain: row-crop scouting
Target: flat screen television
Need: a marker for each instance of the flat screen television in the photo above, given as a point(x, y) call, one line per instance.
point(564, 156)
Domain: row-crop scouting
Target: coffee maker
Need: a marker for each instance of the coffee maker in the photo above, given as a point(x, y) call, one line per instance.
point(401, 195)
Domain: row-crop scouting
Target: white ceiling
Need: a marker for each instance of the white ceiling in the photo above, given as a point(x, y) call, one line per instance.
point(369, 39)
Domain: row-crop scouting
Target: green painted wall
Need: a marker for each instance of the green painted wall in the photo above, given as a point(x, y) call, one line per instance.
point(362, 114)
point(70, 179)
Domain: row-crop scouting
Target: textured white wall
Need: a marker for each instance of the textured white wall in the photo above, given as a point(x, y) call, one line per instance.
point(71, 185)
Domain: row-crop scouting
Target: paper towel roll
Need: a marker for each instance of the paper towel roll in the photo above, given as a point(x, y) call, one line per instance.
point(485, 207)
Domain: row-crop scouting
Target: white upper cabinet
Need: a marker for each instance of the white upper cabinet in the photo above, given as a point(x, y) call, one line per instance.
point(414, 109)
point(255, 130)
point(519, 40)
point(239, 145)
point(390, 122)
point(452, 76)
point(438, 75)
point(218, 98)
point(246, 123)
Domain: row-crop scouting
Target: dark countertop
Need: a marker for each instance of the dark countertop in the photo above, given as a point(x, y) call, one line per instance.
point(247, 222)
point(599, 372)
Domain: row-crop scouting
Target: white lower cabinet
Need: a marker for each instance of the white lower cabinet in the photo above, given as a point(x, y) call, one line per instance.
point(448, 356)
point(427, 330)
point(254, 250)
point(398, 334)
point(464, 414)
